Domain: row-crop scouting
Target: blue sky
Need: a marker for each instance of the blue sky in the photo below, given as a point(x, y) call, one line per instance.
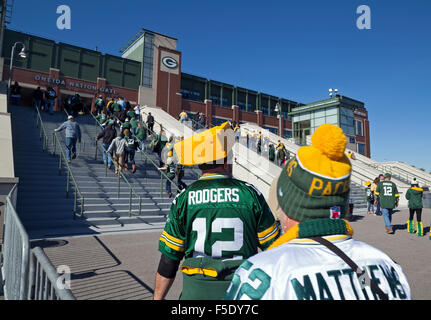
point(293, 49)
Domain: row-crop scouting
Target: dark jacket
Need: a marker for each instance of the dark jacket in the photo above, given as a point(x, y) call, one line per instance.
point(38, 94)
point(50, 94)
point(122, 115)
point(108, 134)
point(150, 120)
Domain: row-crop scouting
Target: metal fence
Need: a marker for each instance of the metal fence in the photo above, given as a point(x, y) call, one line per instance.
point(44, 281)
point(15, 252)
point(26, 274)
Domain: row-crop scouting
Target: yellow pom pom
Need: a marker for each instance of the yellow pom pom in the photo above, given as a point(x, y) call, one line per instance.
point(330, 140)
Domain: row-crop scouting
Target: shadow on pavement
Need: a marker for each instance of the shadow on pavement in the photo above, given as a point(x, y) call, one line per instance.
point(94, 270)
point(113, 285)
point(48, 243)
point(399, 227)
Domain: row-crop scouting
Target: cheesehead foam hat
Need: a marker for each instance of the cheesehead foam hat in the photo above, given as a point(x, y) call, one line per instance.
point(316, 183)
point(206, 147)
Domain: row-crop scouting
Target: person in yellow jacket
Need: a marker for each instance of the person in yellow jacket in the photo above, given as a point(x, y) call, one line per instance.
point(280, 145)
point(183, 117)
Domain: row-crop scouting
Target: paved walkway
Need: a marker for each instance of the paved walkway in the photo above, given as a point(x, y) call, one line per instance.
point(123, 266)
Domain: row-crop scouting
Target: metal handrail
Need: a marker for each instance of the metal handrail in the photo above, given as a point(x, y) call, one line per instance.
point(62, 157)
point(119, 172)
point(407, 177)
point(147, 157)
point(258, 177)
point(153, 133)
point(15, 284)
point(69, 176)
point(43, 279)
point(161, 126)
point(210, 125)
point(154, 164)
point(42, 131)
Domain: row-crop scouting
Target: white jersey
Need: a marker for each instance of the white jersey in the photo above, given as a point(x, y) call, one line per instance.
point(303, 269)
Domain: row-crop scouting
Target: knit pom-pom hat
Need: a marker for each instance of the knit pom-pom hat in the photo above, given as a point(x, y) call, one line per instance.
point(316, 183)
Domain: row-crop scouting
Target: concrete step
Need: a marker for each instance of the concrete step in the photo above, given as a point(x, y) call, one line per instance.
point(43, 217)
point(90, 201)
point(100, 209)
point(102, 221)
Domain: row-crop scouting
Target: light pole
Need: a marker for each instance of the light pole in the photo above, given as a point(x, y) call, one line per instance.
point(278, 110)
point(23, 55)
point(333, 92)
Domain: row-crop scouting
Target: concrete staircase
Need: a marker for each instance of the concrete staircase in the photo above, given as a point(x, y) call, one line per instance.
point(42, 202)
point(358, 195)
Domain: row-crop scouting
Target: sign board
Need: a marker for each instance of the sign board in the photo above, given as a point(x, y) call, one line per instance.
point(169, 62)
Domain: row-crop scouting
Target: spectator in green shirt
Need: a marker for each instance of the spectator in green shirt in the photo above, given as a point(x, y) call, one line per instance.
point(125, 125)
point(387, 193)
point(141, 135)
point(414, 195)
point(99, 104)
point(133, 125)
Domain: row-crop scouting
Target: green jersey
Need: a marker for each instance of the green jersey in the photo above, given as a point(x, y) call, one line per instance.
point(218, 217)
point(131, 141)
point(134, 124)
point(99, 102)
point(131, 114)
point(388, 193)
point(126, 125)
point(141, 133)
point(115, 107)
point(170, 172)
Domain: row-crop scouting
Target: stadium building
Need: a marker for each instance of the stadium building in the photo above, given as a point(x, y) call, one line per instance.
point(148, 72)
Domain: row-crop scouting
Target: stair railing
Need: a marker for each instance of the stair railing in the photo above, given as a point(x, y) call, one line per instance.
point(162, 174)
point(120, 174)
point(251, 172)
point(62, 161)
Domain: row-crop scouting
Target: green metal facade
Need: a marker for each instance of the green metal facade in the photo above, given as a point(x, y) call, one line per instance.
point(72, 61)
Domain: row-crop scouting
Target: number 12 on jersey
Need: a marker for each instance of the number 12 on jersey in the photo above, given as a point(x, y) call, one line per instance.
point(217, 226)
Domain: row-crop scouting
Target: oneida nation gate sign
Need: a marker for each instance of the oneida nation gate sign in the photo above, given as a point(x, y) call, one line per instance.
point(74, 84)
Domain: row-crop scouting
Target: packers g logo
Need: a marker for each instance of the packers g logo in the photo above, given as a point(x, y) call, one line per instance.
point(170, 62)
point(292, 165)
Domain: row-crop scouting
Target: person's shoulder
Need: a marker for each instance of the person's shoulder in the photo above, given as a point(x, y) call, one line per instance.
point(248, 187)
point(362, 250)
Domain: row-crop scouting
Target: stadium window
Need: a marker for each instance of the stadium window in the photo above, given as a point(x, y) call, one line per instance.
point(287, 133)
point(361, 148)
point(359, 128)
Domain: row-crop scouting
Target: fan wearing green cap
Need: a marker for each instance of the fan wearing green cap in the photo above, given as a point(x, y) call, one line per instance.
point(316, 258)
point(388, 196)
point(215, 223)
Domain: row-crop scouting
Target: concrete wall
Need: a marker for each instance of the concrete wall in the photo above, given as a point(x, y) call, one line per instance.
point(6, 160)
point(7, 171)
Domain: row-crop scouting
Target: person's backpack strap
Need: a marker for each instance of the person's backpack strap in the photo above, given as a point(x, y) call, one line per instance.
point(359, 272)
